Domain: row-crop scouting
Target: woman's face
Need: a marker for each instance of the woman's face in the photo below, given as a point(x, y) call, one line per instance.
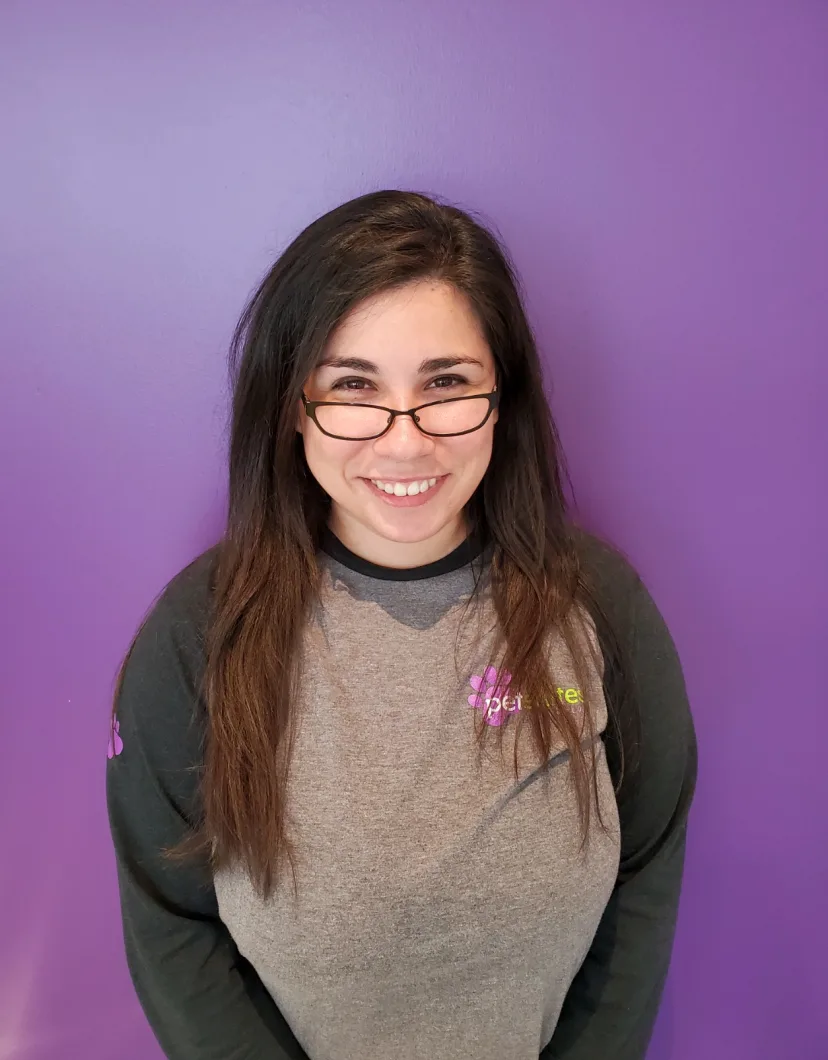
point(395, 335)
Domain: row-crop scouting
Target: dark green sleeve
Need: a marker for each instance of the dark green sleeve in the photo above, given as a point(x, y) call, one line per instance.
point(201, 998)
point(611, 1007)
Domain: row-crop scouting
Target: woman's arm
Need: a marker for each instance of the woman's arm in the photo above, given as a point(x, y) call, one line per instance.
point(201, 998)
point(612, 1004)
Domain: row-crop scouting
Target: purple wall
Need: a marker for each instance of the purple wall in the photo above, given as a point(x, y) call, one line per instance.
point(659, 172)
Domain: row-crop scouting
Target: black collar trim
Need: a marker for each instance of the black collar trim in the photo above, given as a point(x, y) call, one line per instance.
point(466, 551)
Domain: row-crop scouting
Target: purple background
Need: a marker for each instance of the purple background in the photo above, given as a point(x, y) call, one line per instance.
point(660, 173)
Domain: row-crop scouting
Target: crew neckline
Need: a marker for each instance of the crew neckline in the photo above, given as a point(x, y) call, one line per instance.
point(469, 549)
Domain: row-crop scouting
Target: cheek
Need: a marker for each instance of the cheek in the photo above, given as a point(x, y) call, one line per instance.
point(328, 458)
point(475, 451)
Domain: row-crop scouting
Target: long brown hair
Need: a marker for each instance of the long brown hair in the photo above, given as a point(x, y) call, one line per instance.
point(265, 575)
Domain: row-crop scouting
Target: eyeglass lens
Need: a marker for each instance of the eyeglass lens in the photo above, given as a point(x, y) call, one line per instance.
point(361, 421)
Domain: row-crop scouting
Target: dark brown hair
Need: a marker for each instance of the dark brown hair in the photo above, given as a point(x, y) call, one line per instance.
point(266, 570)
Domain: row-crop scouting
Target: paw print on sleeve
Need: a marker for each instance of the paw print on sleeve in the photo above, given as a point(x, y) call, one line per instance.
point(116, 744)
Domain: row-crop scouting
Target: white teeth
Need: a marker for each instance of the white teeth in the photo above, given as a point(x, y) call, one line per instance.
point(401, 489)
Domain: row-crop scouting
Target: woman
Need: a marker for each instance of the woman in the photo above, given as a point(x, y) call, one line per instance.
point(402, 766)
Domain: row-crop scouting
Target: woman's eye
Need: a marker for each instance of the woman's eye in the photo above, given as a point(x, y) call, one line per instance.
point(342, 384)
point(346, 384)
point(452, 378)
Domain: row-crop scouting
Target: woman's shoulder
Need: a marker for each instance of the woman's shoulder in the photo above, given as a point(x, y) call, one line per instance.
point(645, 682)
point(181, 609)
point(158, 725)
point(165, 660)
point(619, 600)
point(618, 595)
point(608, 572)
point(188, 593)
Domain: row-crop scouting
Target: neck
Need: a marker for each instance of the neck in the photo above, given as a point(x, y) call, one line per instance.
point(398, 555)
point(474, 547)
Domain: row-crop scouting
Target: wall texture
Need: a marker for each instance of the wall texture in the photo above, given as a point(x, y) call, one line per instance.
point(659, 172)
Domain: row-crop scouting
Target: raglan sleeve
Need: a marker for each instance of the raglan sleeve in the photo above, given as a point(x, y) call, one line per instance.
point(202, 999)
point(611, 1007)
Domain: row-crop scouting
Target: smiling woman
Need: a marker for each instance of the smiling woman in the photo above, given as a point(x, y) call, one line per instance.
point(389, 337)
point(402, 765)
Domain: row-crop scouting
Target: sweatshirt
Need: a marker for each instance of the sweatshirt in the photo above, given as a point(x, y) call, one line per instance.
point(444, 910)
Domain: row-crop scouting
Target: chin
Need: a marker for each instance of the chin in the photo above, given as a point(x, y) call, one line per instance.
point(407, 536)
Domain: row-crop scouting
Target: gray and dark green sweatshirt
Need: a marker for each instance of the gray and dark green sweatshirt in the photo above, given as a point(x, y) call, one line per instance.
point(444, 910)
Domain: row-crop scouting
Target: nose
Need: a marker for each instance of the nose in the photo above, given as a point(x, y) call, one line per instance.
point(404, 440)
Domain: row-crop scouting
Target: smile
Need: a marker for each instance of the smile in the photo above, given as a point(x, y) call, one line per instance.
point(405, 494)
point(403, 489)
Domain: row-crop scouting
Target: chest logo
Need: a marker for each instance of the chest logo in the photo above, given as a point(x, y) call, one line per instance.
point(492, 695)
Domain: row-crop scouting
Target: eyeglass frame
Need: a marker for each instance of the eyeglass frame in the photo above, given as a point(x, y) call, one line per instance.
point(311, 407)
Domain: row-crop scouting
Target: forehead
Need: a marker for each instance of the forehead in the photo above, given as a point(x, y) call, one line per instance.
point(426, 318)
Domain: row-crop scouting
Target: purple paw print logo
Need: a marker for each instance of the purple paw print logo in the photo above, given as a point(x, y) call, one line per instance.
point(116, 744)
point(491, 695)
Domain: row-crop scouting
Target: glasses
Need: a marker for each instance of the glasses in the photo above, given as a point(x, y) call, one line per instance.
point(441, 419)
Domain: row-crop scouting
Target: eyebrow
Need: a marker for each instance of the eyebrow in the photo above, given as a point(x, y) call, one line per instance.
point(359, 364)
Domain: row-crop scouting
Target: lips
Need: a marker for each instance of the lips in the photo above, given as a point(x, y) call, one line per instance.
point(406, 501)
point(405, 481)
